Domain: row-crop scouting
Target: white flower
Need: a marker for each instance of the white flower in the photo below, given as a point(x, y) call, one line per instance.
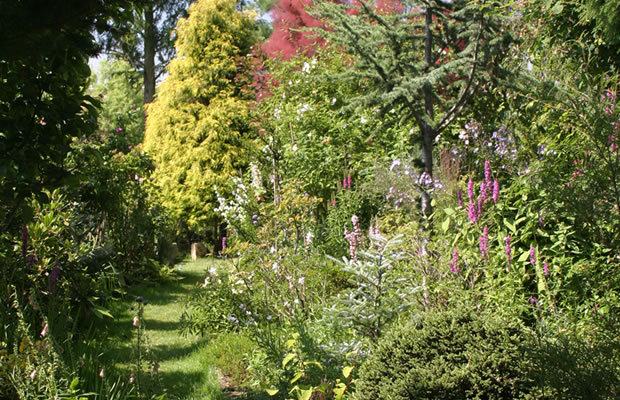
point(295, 147)
point(306, 68)
point(212, 271)
point(333, 101)
point(301, 280)
point(363, 120)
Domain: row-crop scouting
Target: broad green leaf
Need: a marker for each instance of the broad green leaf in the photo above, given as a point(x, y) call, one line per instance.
point(524, 256)
point(304, 394)
point(297, 376)
point(446, 225)
point(272, 392)
point(74, 383)
point(346, 371)
point(449, 211)
point(287, 359)
point(510, 226)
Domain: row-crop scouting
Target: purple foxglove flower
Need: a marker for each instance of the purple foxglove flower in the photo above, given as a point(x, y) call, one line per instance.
point(470, 190)
point(472, 214)
point(507, 249)
point(24, 240)
point(487, 173)
point(454, 267)
point(53, 277)
point(483, 192)
point(484, 242)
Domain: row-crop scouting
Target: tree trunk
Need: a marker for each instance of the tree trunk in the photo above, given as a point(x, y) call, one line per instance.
point(149, 55)
point(428, 131)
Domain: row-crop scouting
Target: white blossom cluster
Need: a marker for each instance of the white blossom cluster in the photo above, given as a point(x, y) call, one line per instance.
point(234, 211)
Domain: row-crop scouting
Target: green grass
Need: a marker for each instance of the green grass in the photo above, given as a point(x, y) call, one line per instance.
point(186, 368)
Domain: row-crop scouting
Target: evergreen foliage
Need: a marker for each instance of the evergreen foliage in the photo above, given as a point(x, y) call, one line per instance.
point(197, 129)
point(456, 354)
point(427, 63)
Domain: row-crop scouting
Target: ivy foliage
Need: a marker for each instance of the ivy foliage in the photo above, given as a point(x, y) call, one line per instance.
point(197, 129)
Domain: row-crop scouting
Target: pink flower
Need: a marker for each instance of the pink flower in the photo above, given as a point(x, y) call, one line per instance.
point(532, 255)
point(119, 129)
point(454, 268)
point(101, 374)
point(33, 374)
point(546, 268)
point(44, 331)
point(483, 192)
point(495, 191)
point(470, 190)
point(487, 173)
point(136, 321)
point(471, 213)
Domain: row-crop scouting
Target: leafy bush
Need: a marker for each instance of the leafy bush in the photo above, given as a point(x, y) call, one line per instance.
point(455, 354)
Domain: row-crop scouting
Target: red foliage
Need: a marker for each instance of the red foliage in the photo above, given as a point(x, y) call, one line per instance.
point(287, 39)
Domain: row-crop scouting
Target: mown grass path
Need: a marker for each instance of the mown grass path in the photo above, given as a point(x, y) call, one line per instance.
point(184, 370)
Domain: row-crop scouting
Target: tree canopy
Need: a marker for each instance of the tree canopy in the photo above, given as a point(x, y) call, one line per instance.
point(197, 129)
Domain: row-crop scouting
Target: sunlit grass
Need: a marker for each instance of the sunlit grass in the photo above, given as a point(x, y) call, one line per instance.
point(186, 369)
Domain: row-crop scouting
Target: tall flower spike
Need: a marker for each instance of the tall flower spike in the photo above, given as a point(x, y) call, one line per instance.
point(459, 196)
point(487, 173)
point(470, 190)
point(483, 192)
point(495, 191)
point(546, 268)
point(532, 255)
point(472, 214)
point(454, 265)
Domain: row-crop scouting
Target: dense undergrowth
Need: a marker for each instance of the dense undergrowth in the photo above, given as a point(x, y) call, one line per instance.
point(371, 235)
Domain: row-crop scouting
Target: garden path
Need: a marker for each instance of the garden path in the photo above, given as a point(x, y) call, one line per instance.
point(182, 362)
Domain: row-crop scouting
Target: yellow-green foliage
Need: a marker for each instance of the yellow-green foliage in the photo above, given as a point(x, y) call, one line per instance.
point(197, 127)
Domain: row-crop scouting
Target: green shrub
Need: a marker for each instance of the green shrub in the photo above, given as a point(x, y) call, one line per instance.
point(456, 354)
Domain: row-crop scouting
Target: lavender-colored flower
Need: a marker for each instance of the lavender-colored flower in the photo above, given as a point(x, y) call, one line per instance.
point(459, 196)
point(223, 242)
point(545, 268)
point(349, 181)
point(533, 300)
point(495, 191)
point(484, 242)
point(532, 255)
point(471, 213)
point(454, 267)
point(24, 240)
point(479, 206)
point(470, 190)
point(487, 173)
point(483, 192)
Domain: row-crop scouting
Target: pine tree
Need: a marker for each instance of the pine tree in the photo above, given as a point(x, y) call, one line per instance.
point(197, 127)
point(425, 59)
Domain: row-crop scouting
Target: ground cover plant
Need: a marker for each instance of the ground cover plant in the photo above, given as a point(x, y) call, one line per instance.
point(403, 199)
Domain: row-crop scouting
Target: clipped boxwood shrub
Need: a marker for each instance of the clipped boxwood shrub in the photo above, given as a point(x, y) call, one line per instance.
point(456, 354)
